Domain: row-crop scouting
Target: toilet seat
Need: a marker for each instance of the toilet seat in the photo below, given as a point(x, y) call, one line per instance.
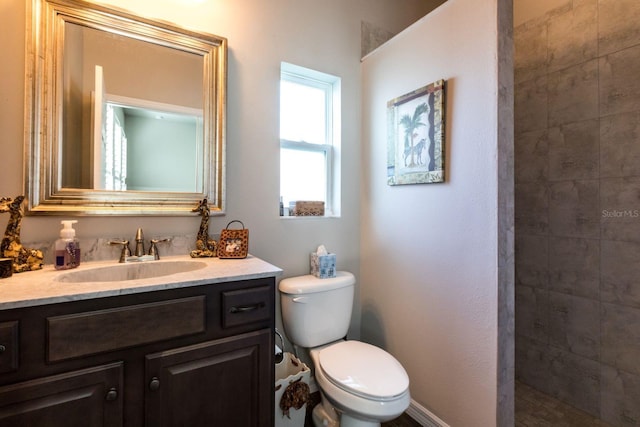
point(363, 370)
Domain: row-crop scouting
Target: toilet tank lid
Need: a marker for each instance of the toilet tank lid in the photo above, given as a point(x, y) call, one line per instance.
point(310, 284)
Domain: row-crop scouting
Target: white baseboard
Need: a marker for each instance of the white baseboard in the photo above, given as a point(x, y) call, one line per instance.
point(423, 416)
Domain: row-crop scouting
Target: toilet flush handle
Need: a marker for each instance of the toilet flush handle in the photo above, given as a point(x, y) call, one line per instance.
point(300, 300)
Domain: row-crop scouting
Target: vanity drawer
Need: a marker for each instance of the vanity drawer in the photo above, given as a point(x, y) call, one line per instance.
point(243, 306)
point(8, 346)
point(116, 328)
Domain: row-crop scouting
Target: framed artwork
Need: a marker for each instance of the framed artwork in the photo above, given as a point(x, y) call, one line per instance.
point(415, 145)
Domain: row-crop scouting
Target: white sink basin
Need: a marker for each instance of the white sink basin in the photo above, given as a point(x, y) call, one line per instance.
point(132, 271)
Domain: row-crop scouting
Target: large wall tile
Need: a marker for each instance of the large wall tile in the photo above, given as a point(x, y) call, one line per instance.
point(530, 52)
point(618, 25)
point(532, 307)
point(620, 273)
point(620, 145)
point(573, 36)
point(532, 257)
point(573, 94)
point(577, 171)
point(574, 151)
point(530, 105)
point(531, 208)
point(533, 362)
point(574, 379)
point(372, 36)
point(619, 83)
point(574, 324)
point(620, 208)
point(574, 266)
point(620, 394)
point(573, 209)
point(621, 337)
point(531, 156)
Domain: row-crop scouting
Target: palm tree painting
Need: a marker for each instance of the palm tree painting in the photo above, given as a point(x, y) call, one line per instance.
point(411, 124)
point(415, 147)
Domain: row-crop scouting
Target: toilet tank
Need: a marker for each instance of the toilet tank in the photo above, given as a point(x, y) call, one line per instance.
point(316, 311)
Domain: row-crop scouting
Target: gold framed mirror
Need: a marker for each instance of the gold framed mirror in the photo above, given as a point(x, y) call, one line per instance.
point(123, 115)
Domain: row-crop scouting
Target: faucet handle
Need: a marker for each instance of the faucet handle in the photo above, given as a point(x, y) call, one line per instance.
point(126, 252)
point(153, 249)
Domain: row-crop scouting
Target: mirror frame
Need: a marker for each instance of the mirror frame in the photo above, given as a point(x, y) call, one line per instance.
point(43, 112)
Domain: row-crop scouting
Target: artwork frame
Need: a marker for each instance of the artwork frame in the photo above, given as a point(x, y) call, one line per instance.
point(415, 136)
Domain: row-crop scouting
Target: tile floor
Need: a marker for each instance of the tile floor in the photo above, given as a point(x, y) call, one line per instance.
point(536, 409)
point(532, 409)
point(403, 421)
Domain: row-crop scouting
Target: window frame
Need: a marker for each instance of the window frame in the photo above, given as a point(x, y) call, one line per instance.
point(330, 85)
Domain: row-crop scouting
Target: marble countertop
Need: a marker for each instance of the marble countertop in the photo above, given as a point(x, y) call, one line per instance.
point(44, 286)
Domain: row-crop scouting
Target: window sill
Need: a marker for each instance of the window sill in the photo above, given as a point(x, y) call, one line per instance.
point(309, 217)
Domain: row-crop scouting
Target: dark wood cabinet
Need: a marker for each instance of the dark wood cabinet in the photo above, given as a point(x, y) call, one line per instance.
point(88, 397)
point(193, 356)
point(215, 380)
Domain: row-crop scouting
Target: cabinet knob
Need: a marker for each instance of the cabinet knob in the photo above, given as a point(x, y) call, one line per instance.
point(154, 385)
point(2, 348)
point(112, 394)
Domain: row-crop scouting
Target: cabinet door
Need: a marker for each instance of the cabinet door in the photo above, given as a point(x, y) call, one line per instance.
point(226, 382)
point(86, 398)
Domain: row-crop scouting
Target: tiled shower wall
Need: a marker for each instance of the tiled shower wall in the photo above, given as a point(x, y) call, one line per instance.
point(577, 192)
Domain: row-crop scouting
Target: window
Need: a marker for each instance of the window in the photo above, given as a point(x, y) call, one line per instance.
point(309, 137)
point(114, 149)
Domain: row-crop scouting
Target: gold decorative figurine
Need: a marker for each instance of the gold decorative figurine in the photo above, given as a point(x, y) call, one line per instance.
point(205, 247)
point(24, 259)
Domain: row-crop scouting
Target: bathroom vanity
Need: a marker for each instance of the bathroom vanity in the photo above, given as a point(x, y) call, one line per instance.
point(187, 348)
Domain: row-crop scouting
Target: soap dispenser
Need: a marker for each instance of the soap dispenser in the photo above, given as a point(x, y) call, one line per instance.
point(67, 247)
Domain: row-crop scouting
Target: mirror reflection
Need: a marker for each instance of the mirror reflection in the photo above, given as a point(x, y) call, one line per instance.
point(127, 124)
point(127, 113)
point(146, 149)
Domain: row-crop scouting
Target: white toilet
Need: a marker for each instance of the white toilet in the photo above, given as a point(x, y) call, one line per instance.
point(361, 385)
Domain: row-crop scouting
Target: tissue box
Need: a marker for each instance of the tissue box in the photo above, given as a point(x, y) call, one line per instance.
point(323, 266)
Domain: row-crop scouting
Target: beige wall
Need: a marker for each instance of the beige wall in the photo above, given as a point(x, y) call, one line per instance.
point(320, 35)
point(429, 268)
point(434, 304)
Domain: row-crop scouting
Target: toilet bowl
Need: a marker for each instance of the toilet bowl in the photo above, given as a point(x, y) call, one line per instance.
point(361, 385)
